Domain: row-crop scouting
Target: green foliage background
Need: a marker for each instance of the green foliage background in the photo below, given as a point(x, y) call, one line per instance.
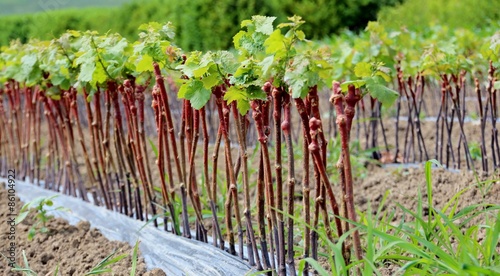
point(209, 25)
point(201, 24)
point(419, 14)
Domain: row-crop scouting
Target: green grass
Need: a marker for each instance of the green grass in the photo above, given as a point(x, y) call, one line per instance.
point(104, 266)
point(10, 7)
point(440, 242)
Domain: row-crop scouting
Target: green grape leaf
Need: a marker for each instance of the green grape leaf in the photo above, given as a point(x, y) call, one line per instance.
point(384, 73)
point(275, 42)
point(237, 39)
point(356, 83)
point(263, 24)
point(86, 72)
point(60, 80)
point(266, 64)
point(251, 41)
point(155, 42)
point(303, 73)
point(204, 65)
point(34, 77)
point(151, 26)
point(294, 22)
point(195, 92)
point(210, 80)
point(300, 35)
point(196, 66)
point(117, 48)
point(243, 107)
point(495, 42)
point(255, 93)
point(297, 77)
point(156, 29)
point(168, 30)
point(225, 61)
point(247, 73)
point(381, 92)
point(99, 76)
point(54, 93)
point(240, 96)
point(299, 88)
point(145, 64)
point(181, 94)
point(252, 44)
point(27, 64)
point(497, 85)
point(115, 69)
point(363, 69)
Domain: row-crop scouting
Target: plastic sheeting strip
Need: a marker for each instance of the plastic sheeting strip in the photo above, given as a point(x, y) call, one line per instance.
point(175, 255)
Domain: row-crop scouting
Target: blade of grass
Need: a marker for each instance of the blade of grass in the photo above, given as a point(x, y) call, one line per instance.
point(134, 259)
point(103, 265)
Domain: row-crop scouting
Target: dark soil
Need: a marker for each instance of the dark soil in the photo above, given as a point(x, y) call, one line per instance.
point(74, 249)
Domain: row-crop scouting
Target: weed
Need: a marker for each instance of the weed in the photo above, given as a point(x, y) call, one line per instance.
point(41, 207)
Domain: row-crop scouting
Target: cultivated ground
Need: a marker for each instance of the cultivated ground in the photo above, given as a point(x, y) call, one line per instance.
point(74, 249)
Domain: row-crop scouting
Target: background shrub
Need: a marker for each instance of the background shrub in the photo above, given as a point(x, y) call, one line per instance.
point(418, 14)
point(201, 24)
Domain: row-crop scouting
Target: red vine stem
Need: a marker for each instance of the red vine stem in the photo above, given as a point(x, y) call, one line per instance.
point(277, 101)
point(159, 161)
point(170, 125)
point(262, 137)
point(192, 187)
point(338, 100)
point(318, 160)
point(213, 188)
point(252, 246)
point(232, 190)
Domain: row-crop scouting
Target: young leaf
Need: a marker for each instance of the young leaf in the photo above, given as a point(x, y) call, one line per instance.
point(195, 92)
point(266, 64)
point(241, 98)
point(193, 67)
point(356, 83)
point(145, 64)
point(86, 72)
point(263, 24)
point(380, 92)
point(237, 39)
point(363, 69)
point(275, 42)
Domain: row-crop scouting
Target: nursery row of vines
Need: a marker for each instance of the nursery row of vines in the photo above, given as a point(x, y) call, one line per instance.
point(244, 148)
